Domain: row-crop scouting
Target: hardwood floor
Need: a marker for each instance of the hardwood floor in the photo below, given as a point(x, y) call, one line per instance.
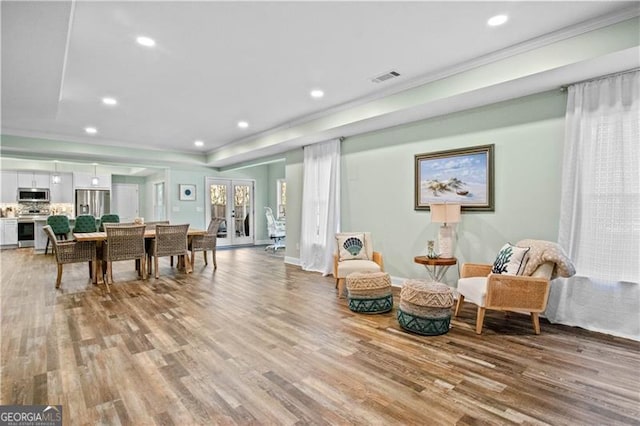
point(261, 342)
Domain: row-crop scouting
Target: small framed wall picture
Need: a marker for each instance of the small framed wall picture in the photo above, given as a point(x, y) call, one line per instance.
point(187, 192)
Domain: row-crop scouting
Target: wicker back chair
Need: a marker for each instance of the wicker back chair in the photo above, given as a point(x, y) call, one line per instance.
point(206, 242)
point(60, 226)
point(119, 224)
point(70, 252)
point(152, 225)
point(124, 243)
point(108, 218)
point(171, 240)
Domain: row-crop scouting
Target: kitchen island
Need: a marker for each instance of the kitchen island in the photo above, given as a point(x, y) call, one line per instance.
point(40, 238)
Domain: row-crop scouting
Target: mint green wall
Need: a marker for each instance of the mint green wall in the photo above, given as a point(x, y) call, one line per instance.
point(276, 171)
point(294, 173)
point(377, 187)
point(193, 212)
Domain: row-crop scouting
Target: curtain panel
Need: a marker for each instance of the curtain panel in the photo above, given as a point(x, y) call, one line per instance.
point(600, 208)
point(320, 206)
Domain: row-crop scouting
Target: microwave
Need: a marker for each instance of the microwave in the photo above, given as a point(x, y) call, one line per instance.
point(33, 194)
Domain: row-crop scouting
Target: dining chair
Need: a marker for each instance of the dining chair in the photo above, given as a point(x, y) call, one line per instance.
point(60, 226)
point(206, 242)
point(108, 218)
point(152, 224)
point(123, 243)
point(170, 240)
point(83, 224)
point(70, 251)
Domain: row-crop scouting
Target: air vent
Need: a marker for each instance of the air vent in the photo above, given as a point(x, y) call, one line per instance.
point(385, 76)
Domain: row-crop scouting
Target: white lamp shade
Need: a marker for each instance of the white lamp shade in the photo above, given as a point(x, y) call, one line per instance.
point(445, 213)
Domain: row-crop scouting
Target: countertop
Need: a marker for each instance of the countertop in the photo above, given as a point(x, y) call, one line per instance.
point(40, 218)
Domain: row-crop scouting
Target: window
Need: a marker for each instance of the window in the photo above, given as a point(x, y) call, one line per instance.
point(282, 198)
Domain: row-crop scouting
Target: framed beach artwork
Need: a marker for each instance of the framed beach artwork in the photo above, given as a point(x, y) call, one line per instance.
point(462, 176)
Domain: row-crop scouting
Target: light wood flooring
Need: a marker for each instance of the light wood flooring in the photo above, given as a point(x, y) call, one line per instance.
point(261, 342)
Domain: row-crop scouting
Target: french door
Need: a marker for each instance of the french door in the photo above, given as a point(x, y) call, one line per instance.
point(232, 200)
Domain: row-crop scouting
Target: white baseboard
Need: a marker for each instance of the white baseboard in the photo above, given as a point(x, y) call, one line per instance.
point(292, 260)
point(397, 281)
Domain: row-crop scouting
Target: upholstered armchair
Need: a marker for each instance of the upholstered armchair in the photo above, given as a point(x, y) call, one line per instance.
point(108, 218)
point(355, 254)
point(525, 293)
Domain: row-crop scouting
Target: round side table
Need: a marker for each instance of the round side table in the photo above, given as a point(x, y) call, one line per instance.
point(436, 267)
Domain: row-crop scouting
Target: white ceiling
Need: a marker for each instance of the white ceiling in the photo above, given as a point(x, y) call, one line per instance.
point(216, 63)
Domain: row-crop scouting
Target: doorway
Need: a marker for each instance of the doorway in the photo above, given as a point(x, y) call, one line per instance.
point(126, 201)
point(233, 201)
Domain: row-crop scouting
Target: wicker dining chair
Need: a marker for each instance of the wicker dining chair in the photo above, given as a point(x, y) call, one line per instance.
point(171, 240)
point(152, 224)
point(60, 226)
point(70, 252)
point(123, 243)
point(206, 242)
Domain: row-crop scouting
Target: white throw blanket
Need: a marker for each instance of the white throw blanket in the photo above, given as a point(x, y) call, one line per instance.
point(546, 251)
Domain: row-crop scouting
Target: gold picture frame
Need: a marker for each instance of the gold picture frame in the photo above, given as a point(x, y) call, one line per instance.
point(462, 176)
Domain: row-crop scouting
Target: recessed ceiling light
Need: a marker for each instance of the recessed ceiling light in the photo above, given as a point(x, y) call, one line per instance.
point(109, 101)
point(494, 21)
point(243, 124)
point(146, 41)
point(317, 93)
point(91, 130)
point(198, 143)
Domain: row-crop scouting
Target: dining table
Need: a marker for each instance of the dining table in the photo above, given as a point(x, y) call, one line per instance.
point(100, 237)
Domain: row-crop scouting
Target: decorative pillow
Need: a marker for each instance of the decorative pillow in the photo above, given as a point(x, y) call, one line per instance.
point(351, 247)
point(511, 260)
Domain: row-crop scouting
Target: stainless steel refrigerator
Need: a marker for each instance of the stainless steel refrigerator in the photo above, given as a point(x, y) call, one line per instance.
point(95, 202)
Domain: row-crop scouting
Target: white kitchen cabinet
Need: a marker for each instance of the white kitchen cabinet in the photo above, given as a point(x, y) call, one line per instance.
point(9, 232)
point(33, 179)
point(62, 192)
point(40, 238)
point(9, 186)
point(83, 181)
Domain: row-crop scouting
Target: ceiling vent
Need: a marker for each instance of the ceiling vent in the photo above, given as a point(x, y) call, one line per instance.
point(385, 76)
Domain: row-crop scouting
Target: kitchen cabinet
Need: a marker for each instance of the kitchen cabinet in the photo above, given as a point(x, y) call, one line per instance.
point(62, 192)
point(9, 232)
point(40, 238)
point(83, 181)
point(9, 186)
point(33, 179)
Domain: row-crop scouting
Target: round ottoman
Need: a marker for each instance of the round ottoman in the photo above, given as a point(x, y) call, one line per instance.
point(425, 307)
point(369, 292)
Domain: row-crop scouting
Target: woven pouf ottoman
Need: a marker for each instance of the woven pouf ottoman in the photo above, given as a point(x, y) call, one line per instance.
point(425, 307)
point(369, 292)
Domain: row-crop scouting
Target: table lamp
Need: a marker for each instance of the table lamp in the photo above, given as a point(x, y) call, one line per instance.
point(445, 214)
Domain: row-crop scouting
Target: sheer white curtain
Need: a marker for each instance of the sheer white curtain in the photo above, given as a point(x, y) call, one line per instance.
point(600, 208)
point(320, 206)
